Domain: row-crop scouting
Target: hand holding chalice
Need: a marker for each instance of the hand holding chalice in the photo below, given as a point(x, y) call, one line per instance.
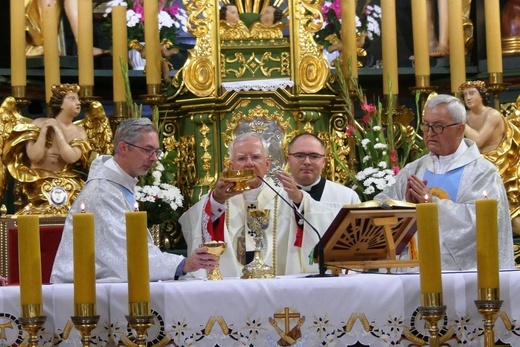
point(216, 248)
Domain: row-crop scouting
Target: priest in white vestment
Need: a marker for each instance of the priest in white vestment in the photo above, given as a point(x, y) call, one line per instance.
point(221, 216)
point(109, 194)
point(454, 175)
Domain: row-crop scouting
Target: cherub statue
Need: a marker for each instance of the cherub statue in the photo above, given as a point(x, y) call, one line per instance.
point(167, 50)
point(497, 138)
point(231, 27)
point(269, 26)
point(48, 155)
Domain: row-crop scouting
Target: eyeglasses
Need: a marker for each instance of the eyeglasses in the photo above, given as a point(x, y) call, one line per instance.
point(255, 158)
point(149, 152)
point(313, 157)
point(436, 128)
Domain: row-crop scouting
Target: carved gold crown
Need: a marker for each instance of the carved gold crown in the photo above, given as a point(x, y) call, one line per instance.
point(480, 85)
point(64, 89)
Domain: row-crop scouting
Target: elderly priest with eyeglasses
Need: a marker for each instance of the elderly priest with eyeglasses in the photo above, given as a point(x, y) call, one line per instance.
point(454, 175)
point(221, 215)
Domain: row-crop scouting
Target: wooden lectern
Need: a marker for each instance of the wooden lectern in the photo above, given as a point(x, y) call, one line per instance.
point(369, 235)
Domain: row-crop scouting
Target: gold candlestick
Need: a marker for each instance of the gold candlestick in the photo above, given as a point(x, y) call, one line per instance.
point(32, 321)
point(140, 320)
point(496, 86)
point(19, 95)
point(85, 321)
point(153, 96)
point(432, 311)
point(423, 87)
point(489, 305)
point(86, 94)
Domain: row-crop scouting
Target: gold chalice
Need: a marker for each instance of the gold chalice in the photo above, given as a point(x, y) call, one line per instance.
point(240, 178)
point(216, 248)
point(258, 222)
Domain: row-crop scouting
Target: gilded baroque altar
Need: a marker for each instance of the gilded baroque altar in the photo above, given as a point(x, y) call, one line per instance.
point(275, 86)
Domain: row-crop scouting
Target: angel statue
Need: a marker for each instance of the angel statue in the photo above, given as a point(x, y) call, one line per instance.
point(48, 156)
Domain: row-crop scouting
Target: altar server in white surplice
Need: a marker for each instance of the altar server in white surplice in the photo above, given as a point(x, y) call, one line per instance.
point(221, 216)
point(456, 175)
point(316, 198)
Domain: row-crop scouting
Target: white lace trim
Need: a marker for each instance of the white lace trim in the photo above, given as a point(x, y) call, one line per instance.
point(206, 219)
point(265, 85)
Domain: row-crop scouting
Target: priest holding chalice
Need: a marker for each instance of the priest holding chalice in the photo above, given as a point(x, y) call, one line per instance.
point(222, 215)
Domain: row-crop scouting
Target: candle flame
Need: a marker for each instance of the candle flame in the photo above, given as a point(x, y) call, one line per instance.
point(426, 198)
point(27, 208)
point(136, 207)
point(82, 207)
point(485, 194)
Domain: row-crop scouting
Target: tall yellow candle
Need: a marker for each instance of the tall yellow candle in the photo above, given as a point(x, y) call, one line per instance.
point(18, 62)
point(420, 42)
point(119, 50)
point(137, 257)
point(487, 243)
point(84, 260)
point(429, 248)
point(51, 57)
point(493, 36)
point(29, 260)
point(151, 39)
point(85, 44)
point(348, 38)
point(389, 45)
point(456, 43)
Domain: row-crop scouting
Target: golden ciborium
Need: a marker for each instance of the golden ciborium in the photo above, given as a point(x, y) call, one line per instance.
point(240, 178)
point(216, 248)
point(258, 222)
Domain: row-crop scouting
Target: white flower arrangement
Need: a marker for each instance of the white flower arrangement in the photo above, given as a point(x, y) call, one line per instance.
point(171, 18)
point(162, 201)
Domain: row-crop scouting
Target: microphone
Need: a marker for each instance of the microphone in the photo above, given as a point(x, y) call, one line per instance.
point(321, 257)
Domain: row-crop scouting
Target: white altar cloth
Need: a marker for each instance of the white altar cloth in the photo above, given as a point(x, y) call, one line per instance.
point(370, 308)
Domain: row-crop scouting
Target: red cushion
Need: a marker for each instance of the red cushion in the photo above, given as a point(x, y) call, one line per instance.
point(50, 237)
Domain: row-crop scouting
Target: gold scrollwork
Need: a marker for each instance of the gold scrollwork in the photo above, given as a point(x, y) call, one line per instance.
point(200, 76)
point(313, 74)
point(239, 58)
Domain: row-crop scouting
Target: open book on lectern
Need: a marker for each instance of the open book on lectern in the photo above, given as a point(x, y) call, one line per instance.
point(369, 231)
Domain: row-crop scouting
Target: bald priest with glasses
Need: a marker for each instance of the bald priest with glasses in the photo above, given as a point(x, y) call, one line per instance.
point(454, 175)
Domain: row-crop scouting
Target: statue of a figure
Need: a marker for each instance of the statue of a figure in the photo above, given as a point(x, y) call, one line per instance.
point(33, 19)
point(48, 155)
point(439, 40)
point(269, 26)
point(497, 138)
point(231, 27)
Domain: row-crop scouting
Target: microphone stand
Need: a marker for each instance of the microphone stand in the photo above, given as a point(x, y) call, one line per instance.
point(321, 257)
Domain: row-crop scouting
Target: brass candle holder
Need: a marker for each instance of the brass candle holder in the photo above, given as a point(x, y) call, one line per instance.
point(85, 320)
point(432, 311)
point(153, 95)
point(20, 97)
point(489, 305)
point(32, 321)
point(86, 94)
point(140, 320)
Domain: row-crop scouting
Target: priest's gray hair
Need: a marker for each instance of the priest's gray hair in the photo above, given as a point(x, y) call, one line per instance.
point(131, 130)
point(244, 137)
point(456, 109)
